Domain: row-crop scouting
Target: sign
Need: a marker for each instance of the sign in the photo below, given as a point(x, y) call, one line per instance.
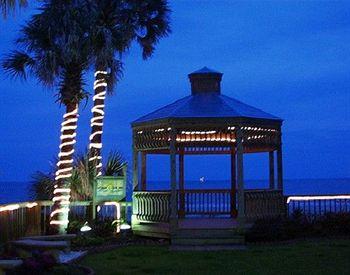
point(110, 188)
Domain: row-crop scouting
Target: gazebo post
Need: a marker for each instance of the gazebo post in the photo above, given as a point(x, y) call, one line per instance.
point(233, 182)
point(240, 182)
point(135, 172)
point(272, 169)
point(143, 171)
point(173, 193)
point(279, 168)
point(181, 184)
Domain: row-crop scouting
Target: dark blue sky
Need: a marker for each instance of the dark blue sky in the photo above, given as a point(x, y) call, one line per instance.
point(289, 58)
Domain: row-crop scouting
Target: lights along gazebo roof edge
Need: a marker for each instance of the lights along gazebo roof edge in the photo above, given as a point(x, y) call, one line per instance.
point(207, 105)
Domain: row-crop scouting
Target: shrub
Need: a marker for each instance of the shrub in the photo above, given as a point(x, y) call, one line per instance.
point(85, 241)
point(105, 228)
point(38, 263)
point(298, 225)
point(74, 226)
point(101, 230)
point(333, 224)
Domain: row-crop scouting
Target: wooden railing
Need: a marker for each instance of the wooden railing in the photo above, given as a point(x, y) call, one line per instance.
point(317, 205)
point(32, 218)
point(155, 206)
point(206, 202)
point(263, 204)
point(151, 206)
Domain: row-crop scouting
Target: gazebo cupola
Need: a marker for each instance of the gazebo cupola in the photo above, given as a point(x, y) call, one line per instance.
point(205, 122)
point(205, 80)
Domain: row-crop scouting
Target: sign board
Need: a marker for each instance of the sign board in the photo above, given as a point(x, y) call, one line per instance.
point(110, 188)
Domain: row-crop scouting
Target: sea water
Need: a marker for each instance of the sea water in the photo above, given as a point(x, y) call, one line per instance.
point(19, 191)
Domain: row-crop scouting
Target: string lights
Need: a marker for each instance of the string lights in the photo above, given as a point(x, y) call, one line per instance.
point(9, 207)
point(117, 213)
point(12, 207)
point(310, 198)
point(59, 216)
point(97, 120)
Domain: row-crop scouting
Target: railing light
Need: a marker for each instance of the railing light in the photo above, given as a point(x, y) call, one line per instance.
point(309, 198)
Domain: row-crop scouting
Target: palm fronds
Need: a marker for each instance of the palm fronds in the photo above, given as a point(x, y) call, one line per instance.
point(42, 186)
point(82, 179)
point(16, 62)
point(115, 164)
point(81, 182)
point(8, 6)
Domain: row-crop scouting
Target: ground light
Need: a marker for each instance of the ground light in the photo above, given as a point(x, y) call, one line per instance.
point(85, 227)
point(125, 226)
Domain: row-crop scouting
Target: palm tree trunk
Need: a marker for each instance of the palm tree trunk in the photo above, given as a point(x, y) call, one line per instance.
point(100, 86)
point(59, 214)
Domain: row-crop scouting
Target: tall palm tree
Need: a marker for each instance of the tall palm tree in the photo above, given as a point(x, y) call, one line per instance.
point(53, 50)
point(7, 6)
point(115, 25)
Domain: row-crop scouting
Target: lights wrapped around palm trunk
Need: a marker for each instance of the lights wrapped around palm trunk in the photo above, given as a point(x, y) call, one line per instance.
point(97, 121)
point(59, 215)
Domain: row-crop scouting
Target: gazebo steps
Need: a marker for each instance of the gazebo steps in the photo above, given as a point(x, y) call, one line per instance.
point(159, 230)
point(207, 237)
point(206, 247)
point(207, 241)
point(29, 244)
point(62, 237)
point(207, 233)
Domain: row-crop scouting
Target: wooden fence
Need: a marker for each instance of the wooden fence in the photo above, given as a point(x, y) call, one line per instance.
point(32, 218)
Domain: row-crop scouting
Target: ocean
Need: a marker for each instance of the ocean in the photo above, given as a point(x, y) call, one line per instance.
point(18, 191)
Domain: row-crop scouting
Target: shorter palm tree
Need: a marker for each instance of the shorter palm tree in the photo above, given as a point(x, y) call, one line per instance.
point(83, 175)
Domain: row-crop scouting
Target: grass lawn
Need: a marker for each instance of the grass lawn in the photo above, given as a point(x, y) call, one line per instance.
point(323, 257)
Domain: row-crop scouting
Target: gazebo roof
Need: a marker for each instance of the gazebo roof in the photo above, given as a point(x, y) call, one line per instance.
point(206, 101)
point(205, 70)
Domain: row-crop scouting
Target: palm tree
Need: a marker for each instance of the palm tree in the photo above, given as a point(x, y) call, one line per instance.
point(53, 50)
point(7, 6)
point(115, 25)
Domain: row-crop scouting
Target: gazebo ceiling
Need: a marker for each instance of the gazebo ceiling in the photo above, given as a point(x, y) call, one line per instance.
point(206, 102)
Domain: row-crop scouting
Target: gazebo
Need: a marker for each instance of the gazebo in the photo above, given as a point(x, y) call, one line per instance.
point(203, 123)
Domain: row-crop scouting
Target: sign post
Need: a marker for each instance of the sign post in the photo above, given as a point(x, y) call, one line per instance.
point(108, 188)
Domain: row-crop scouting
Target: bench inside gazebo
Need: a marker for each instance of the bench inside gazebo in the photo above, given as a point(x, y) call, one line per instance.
point(205, 123)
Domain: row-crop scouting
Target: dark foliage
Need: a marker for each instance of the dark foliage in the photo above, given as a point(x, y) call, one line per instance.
point(74, 226)
point(299, 226)
point(104, 228)
point(115, 164)
point(10, 6)
point(100, 228)
point(333, 224)
point(53, 48)
point(101, 231)
point(38, 263)
point(86, 241)
point(42, 186)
